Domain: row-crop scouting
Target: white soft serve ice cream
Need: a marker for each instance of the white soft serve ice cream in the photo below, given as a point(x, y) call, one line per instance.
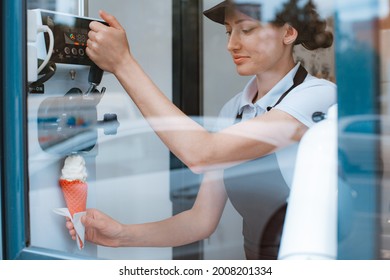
point(74, 168)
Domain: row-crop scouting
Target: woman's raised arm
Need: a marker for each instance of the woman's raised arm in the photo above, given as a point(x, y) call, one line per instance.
point(190, 142)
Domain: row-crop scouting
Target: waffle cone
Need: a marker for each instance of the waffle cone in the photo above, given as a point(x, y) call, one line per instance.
point(75, 194)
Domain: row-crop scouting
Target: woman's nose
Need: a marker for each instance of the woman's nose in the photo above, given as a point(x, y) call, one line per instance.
point(233, 42)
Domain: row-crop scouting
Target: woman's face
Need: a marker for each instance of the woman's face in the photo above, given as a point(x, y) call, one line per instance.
point(255, 47)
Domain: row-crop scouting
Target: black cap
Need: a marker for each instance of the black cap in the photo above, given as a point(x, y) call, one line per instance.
point(217, 13)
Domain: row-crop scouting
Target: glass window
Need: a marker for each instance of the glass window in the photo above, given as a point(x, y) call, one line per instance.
point(127, 165)
point(82, 115)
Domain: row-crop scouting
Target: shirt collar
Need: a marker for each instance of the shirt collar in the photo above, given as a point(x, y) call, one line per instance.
point(272, 96)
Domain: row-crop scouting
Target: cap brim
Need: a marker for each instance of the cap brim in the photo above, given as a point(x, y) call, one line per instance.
point(217, 13)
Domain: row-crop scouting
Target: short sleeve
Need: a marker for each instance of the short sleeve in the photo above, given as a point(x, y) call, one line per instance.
point(314, 95)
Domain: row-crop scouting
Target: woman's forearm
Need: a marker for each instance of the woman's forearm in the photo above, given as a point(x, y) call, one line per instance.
point(183, 136)
point(175, 231)
point(186, 227)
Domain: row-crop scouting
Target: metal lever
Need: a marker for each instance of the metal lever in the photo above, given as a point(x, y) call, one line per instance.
point(94, 78)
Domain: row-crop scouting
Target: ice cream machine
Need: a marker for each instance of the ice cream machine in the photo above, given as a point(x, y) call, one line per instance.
point(63, 95)
point(71, 111)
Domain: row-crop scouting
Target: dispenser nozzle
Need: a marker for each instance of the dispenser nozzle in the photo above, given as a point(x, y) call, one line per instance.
point(94, 78)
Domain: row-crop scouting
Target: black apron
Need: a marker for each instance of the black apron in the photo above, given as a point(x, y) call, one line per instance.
point(258, 191)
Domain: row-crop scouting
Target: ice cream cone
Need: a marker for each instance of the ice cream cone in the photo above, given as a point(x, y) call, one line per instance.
point(73, 183)
point(75, 194)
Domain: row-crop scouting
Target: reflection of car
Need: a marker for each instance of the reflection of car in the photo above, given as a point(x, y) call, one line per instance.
point(360, 139)
point(362, 150)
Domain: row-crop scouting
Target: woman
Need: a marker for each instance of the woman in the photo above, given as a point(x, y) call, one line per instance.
point(274, 110)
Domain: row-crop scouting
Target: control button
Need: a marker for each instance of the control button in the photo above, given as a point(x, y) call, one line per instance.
point(67, 50)
point(74, 51)
point(81, 52)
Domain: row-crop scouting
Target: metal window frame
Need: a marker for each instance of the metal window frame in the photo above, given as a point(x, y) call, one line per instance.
point(187, 94)
point(13, 128)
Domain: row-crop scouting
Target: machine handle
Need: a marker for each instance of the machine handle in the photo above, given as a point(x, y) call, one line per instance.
point(94, 78)
point(95, 75)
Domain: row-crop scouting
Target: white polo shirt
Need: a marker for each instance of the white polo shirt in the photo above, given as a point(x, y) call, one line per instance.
point(313, 95)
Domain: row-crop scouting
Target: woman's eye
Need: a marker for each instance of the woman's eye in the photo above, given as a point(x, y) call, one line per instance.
point(246, 31)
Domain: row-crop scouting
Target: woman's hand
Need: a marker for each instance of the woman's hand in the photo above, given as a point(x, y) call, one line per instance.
point(99, 228)
point(107, 46)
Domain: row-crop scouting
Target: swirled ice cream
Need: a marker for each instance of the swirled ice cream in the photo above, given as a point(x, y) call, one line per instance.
point(74, 168)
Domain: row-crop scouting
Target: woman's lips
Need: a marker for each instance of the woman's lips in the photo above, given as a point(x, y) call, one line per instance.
point(239, 59)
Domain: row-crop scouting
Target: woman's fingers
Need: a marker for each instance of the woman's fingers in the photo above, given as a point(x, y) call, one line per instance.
point(110, 19)
point(69, 225)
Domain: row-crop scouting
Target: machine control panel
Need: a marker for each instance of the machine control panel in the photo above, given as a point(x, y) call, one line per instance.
point(70, 37)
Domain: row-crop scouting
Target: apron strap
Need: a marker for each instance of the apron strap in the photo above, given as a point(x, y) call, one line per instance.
point(299, 77)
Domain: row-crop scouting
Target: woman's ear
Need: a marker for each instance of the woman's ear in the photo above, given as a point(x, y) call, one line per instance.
point(290, 35)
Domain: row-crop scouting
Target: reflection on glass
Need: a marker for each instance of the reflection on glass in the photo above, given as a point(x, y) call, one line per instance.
point(128, 172)
point(63, 6)
point(363, 126)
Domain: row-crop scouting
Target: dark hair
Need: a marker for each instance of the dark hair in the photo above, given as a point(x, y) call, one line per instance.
point(311, 29)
